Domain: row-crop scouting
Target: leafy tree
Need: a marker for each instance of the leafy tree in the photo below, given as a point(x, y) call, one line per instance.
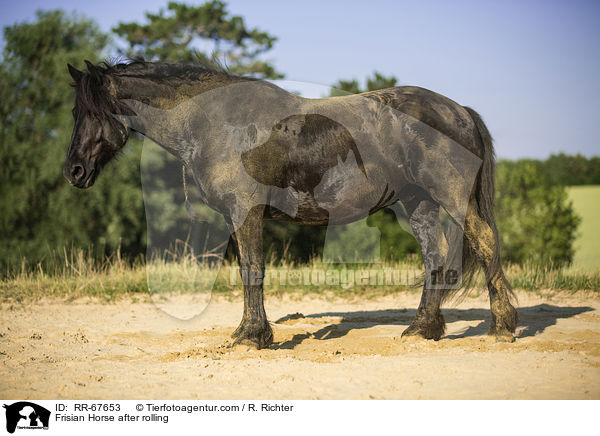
point(536, 221)
point(345, 87)
point(571, 170)
point(178, 33)
point(378, 81)
point(40, 211)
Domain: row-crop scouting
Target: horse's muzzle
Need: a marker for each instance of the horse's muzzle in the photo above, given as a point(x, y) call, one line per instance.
point(78, 176)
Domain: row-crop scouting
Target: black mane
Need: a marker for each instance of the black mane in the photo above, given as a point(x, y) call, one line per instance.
point(92, 89)
point(165, 70)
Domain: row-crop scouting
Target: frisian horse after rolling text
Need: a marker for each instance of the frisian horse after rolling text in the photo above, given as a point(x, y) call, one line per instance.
point(258, 152)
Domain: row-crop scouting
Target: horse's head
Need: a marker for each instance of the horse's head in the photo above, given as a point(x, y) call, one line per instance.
point(98, 135)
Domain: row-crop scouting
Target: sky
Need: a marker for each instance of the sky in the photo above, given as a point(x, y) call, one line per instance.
point(530, 68)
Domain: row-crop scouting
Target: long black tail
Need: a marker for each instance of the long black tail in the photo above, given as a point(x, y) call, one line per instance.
point(484, 199)
point(485, 189)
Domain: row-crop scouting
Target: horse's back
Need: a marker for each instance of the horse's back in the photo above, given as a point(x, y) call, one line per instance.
point(437, 111)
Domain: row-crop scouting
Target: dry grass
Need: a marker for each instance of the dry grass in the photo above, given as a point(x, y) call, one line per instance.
point(78, 274)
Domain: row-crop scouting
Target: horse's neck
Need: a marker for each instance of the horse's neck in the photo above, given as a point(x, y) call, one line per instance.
point(164, 105)
point(170, 92)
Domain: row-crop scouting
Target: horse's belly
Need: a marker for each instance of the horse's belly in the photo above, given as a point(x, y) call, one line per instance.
point(338, 201)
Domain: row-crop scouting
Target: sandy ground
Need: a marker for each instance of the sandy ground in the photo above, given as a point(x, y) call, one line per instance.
point(338, 349)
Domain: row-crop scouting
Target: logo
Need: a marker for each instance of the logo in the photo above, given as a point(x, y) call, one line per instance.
point(26, 415)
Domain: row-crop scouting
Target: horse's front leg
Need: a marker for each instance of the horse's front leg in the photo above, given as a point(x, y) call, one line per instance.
point(248, 237)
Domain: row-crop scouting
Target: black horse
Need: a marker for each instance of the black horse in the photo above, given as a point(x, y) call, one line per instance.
point(257, 152)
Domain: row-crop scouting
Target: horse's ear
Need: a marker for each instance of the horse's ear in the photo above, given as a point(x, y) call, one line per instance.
point(74, 72)
point(93, 70)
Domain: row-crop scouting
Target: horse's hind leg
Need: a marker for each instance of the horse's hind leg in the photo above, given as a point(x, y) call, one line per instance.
point(425, 222)
point(483, 241)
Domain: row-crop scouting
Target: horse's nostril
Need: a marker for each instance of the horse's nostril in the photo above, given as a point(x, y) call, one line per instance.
point(77, 172)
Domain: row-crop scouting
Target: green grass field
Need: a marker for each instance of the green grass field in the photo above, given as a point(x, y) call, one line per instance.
point(586, 202)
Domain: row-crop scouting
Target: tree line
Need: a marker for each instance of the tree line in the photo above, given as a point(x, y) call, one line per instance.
point(42, 214)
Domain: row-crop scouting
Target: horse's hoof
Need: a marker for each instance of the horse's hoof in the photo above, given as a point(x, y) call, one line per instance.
point(501, 335)
point(253, 342)
point(258, 335)
point(505, 338)
point(434, 332)
point(243, 345)
point(426, 328)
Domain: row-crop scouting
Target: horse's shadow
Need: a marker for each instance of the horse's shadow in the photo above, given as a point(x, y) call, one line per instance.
point(532, 321)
